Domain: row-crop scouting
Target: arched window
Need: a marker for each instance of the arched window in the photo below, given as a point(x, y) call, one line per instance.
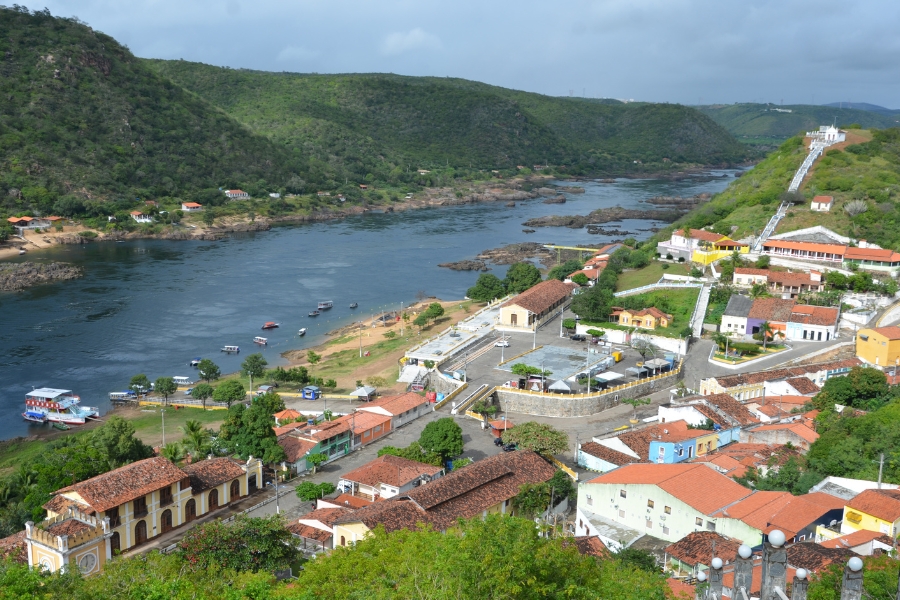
point(166, 520)
point(235, 492)
point(190, 511)
point(140, 533)
point(214, 500)
point(343, 541)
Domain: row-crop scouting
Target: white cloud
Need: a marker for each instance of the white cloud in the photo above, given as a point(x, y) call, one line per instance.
point(296, 53)
point(414, 39)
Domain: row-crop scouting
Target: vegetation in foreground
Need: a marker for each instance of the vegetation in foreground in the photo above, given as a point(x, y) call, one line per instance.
point(498, 557)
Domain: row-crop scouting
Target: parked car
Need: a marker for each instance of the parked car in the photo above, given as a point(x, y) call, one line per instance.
point(502, 344)
point(509, 447)
point(578, 338)
point(498, 441)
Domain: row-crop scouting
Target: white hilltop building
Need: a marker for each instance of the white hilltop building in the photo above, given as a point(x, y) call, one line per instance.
point(828, 134)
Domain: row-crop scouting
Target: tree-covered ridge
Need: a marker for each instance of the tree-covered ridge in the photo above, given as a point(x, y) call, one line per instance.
point(342, 123)
point(82, 117)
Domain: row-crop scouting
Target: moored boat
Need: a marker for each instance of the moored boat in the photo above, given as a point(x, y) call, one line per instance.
point(270, 325)
point(354, 305)
point(261, 340)
point(34, 416)
point(325, 304)
point(230, 349)
point(59, 406)
point(61, 426)
point(195, 361)
point(122, 396)
point(314, 313)
point(302, 331)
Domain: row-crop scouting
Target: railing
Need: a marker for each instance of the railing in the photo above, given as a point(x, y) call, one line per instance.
point(451, 396)
point(567, 470)
point(482, 391)
point(656, 286)
point(611, 390)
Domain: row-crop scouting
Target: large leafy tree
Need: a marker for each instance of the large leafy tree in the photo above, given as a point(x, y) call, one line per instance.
point(250, 432)
point(254, 366)
point(443, 437)
point(139, 384)
point(229, 392)
point(562, 271)
point(246, 544)
point(538, 437)
point(165, 387)
point(520, 277)
point(862, 387)
point(202, 392)
point(208, 370)
point(487, 288)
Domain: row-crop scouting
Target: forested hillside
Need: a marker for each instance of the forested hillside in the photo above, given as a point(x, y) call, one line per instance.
point(770, 124)
point(82, 119)
point(352, 125)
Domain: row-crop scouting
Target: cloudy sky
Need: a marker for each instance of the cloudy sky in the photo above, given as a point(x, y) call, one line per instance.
point(687, 51)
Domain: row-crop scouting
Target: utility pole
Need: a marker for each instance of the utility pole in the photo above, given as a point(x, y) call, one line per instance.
point(162, 411)
point(880, 469)
point(360, 339)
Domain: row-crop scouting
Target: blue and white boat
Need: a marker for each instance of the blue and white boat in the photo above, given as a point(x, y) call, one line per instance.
point(59, 406)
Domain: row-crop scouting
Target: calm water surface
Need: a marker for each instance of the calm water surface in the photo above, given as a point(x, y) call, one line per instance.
point(149, 306)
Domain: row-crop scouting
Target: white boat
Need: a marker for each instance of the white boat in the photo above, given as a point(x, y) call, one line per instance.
point(230, 349)
point(122, 396)
point(59, 406)
point(195, 361)
point(325, 304)
point(302, 331)
point(261, 340)
point(182, 381)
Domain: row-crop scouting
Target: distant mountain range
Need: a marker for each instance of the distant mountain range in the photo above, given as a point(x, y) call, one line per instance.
point(865, 106)
point(771, 124)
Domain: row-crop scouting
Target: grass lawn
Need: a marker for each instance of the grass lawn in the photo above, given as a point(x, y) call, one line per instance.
point(732, 360)
point(148, 422)
point(652, 273)
point(677, 302)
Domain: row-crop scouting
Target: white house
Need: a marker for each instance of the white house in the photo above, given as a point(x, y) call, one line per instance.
point(237, 194)
point(141, 217)
point(402, 409)
point(822, 203)
point(191, 207)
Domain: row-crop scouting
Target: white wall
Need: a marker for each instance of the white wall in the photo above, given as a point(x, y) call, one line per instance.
point(691, 415)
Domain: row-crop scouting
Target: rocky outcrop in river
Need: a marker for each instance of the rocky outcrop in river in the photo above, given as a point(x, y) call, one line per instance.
point(603, 215)
point(18, 276)
point(466, 265)
point(560, 199)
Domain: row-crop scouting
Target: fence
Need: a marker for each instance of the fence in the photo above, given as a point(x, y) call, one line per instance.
point(483, 391)
point(611, 390)
point(451, 396)
point(656, 286)
point(185, 403)
point(562, 467)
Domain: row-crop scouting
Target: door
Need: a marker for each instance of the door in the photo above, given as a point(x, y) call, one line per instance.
point(214, 500)
point(140, 533)
point(166, 520)
point(190, 511)
point(115, 543)
point(235, 492)
point(251, 483)
point(513, 320)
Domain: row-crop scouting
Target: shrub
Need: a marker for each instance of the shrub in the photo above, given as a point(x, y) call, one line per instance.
point(88, 235)
point(681, 259)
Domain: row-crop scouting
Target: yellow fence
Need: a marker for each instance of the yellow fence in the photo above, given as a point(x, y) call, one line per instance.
point(184, 404)
point(451, 396)
point(567, 470)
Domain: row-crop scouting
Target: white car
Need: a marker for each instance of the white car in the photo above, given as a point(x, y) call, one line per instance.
point(502, 344)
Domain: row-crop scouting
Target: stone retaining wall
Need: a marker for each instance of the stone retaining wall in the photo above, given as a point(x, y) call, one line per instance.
point(563, 405)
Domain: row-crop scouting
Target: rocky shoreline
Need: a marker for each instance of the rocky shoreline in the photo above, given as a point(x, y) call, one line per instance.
point(604, 215)
point(15, 277)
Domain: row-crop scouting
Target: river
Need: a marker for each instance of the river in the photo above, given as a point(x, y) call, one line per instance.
point(149, 306)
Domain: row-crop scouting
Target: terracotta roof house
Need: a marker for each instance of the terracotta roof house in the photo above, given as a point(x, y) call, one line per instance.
point(815, 557)
point(668, 501)
point(485, 486)
point(596, 457)
point(402, 409)
point(789, 285)
point(813, 323)
point(802, 386)
point(758, 384)
point(14, 547)
point(286, 416)
point(821, 203)
point(646, 318)
point(696, 549)
point(316, 529)
point(862, 542)
point(873, 510)
point(796, 433)
point(141, 500)
point(746, 277)
point(774, 311)
point(671, 442)
point(191, 207)
point(388, 476)
point(536, 305)
point(589, 545)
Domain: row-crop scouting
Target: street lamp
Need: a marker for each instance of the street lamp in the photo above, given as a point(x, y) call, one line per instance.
point(162, 412)
point(277, 508)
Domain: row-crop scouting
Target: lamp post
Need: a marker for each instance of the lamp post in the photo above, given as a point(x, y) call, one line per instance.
point(162, 412)
point(534, 342)
point(277, 508)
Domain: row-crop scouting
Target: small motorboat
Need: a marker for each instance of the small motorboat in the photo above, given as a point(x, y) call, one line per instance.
point(354, 305)
point(195, 361)
point(325, 304)
point(314, 313)
point(302, 331)
point(34, 416)
point(61, 426)
point(261, 340)
point(270, 325)
point(230, 349)
point(21, 251)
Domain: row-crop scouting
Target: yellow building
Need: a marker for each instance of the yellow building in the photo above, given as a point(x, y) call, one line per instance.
point(535, 305)
point(138, 502)
point(873, 510)
point(646, 318)
point(69, 540)
point(879, 346)
point(485, 487)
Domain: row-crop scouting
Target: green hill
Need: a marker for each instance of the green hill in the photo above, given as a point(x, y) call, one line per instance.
point(867, 173)
point(770, 124)
point(82, 119)
point(83, 122)
point(391, 123)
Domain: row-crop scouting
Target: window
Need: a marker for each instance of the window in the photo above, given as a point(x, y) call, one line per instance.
point(140, 506)
point(590, 500)
point(377, 428)
point(649, 503)
point(649, 524)
point(623, 494)
point(665, 530)
point(621, 514)
point(710, 526)
point(698, 522)
point(165, 496)
point(668, 510)
point(113, 516)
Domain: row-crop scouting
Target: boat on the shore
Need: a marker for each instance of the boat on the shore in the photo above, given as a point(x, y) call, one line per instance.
point(302, 331)
point(270, 325)
point(230, 349)
point(61, 426)
point(122, 396)
point(59, 406)
point(314, 313)
point(34, 416)
point(325, 304)
point(261, 340)
point(195, 361)
point(354, 305)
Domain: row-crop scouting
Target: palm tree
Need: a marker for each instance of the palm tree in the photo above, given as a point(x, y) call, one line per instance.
point(766, 330)
point(174, 451)
point(196, 439)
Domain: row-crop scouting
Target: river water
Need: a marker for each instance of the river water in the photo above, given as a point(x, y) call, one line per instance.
point(149, 306)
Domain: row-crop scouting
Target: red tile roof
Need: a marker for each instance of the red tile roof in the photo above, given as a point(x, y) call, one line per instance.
point(608, 454)
point(126, 483)
point(799, 429)
point(731, 407)
point(771, 309)
point(891, 332)
point(690, 483)
point(675, 431)
point(803, 385)
point(729, 381)
point(288, 427)
point(542, 296)
point(391, 470)
point(362, 421)
point(191, 204)
point(290, 413)
point(815, 557)
point(814, 315)
point(294, 447)
point(697, 548)
point(837, 249)
point(746, 271)
point(681, 590)
point(68, 527)
point(702, 234)
point(857, 538)
point(15, 547)
point(207, 474)
point(883, 504)
point(823, 199)
point(304, 526)
point(352, 501)
point(874, 254)
point(793, 279)
point(589, 545)
point(397, 405)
